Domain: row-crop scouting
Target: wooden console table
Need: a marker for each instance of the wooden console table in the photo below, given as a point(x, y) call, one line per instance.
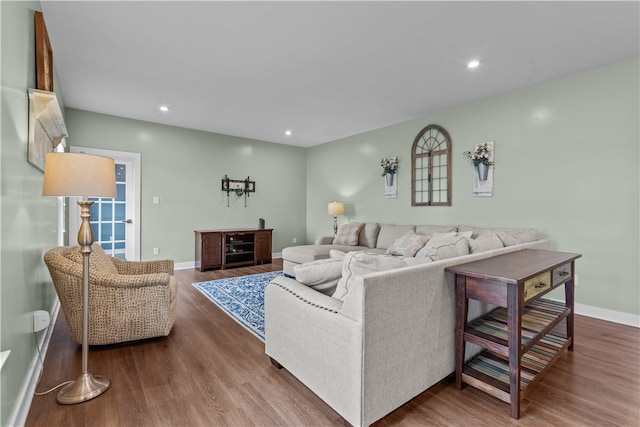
point(232, 248)
point(522, 338)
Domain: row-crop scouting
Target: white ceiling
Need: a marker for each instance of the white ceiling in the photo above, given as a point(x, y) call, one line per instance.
point(324, 70)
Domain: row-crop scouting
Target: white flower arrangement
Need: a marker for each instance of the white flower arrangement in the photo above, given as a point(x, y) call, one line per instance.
point(389, 165)
point(480, 155)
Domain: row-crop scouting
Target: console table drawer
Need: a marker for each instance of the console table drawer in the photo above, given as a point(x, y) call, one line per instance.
point(534, 286)
point(561, 273)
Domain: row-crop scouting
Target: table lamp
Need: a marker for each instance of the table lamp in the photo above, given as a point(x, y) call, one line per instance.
point(335, 209)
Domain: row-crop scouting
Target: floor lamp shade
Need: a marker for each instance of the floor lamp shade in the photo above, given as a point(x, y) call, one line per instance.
point(82, 175)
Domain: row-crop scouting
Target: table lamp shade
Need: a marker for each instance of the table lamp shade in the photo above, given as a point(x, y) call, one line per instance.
point(81, 175)
point(335, 208)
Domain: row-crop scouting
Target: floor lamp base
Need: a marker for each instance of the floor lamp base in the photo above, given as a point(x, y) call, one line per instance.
point(85, 387)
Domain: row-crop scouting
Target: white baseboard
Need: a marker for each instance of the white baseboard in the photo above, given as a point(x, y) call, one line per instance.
point(192, 264)
point(609, 315)
point(20, 411)
point(605, 314)
point(184, 265)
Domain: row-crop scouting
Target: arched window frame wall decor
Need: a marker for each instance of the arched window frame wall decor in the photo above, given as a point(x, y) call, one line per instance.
point(431, 167)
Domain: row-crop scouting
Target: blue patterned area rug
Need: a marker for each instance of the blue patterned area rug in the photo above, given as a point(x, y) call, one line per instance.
point(242, 298)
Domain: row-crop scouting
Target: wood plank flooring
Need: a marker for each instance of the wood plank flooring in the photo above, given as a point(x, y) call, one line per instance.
point(212, 372)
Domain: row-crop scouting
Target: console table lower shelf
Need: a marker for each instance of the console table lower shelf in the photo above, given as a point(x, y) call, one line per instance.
point(489, 370)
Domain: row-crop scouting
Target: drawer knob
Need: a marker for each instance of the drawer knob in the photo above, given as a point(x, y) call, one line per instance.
point(540, 285)
point(563, 273)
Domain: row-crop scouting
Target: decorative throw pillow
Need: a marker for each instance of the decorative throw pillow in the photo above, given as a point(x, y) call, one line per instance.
point(514, 236)
point(446, 245)
point(485, 242)
point(390, 232)
point(348, 234)
point(475, 231)
point(357, 264)
point(407, 244)
point(423, 252)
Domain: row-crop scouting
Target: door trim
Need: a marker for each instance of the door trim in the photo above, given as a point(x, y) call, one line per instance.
point(134, 158)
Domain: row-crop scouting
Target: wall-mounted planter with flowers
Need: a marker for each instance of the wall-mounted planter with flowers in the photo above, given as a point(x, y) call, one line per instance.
point(482, 159)
point(389, 167)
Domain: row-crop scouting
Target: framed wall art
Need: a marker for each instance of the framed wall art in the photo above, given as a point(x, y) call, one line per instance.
point(44, 55)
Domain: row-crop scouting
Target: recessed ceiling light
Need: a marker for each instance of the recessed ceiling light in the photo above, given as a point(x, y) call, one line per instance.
point(473, 64)
point(287, 132)
point(164, 108)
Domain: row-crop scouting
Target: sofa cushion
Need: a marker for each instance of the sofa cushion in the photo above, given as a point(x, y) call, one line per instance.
point(348, 234)
point(369, 234)
point(408, 244)
point(514, 236)
point(356, 264)
point(98, 260)
point(307, 253)
point(446, 245)
point(390, 232)
point(485, 241)
point(319, 271)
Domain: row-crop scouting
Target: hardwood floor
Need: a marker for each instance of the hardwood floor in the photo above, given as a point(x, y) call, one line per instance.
point(212, 372)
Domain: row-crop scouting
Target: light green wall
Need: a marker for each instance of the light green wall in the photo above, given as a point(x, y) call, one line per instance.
point(184, 168)
point(566, 157)
point(28, 220)
point(567, 163)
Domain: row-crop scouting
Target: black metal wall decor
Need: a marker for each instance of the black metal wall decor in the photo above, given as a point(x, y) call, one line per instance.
point(238, 186)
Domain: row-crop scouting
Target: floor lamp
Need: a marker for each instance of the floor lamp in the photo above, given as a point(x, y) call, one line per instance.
point(81, 175)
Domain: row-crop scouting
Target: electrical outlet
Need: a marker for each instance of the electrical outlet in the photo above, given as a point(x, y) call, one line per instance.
point(295, 240)
point(156, 251)
point(41, 320)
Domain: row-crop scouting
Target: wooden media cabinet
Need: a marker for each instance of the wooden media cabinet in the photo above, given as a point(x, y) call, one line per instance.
point(232, 248)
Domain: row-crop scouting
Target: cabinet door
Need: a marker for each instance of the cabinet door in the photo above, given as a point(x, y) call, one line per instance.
point(263, 246)
point(211, 250)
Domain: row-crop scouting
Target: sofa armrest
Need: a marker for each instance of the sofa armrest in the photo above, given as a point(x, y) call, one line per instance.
point(324, 240)
point(307, 295)
point(306, 334)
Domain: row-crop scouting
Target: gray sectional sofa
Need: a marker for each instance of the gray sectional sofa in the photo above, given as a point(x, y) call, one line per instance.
point(384, 331)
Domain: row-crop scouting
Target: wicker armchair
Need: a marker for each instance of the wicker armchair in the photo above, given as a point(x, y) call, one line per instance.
point(127, 300)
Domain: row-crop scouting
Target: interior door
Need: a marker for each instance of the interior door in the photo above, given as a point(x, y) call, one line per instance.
point(115, 222)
